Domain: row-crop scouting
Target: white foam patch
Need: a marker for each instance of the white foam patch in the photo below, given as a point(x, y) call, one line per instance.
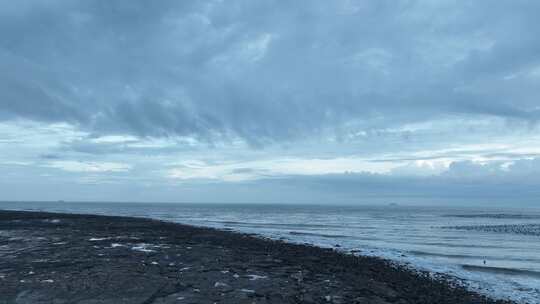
point(220, 284)
point(254, 277)
point(143, 247)
point(99, 239)
point(247, 290)
point(52, 221)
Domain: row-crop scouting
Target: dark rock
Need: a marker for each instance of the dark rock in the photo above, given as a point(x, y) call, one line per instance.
point(50, 258)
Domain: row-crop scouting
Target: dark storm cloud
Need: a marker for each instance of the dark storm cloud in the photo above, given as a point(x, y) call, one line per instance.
point(265, 71)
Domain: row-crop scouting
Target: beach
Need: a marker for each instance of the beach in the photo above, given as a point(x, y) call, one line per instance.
point(70, 258)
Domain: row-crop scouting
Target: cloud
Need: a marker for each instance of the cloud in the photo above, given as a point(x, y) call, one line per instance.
point(218, 71)
point(386, 97)
point(275, 167)
point(464, 182)
point(95, 167)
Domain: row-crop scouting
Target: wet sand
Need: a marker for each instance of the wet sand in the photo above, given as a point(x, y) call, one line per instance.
point(66, 258)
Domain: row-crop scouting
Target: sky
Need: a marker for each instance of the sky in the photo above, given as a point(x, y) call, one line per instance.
point(415, 102)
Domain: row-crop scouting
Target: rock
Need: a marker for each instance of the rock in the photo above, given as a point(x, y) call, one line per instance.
point(261, 271)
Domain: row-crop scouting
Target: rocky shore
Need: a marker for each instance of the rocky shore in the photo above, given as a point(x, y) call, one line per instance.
point(89, 259)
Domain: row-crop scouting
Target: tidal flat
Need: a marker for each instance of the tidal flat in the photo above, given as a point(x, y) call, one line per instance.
point(71, 258)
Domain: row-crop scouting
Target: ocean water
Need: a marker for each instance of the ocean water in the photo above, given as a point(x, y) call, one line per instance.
point(494, 251)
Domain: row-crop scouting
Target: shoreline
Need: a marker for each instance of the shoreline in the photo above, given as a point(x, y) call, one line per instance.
point(76, 258)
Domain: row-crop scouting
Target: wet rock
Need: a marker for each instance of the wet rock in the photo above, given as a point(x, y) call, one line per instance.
point(90, 259)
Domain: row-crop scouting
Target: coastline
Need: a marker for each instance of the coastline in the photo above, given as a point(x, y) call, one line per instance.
point(71, 258)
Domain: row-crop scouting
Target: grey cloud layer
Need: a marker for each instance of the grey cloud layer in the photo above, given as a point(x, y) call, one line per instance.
point(465, 183)
point(266, 71)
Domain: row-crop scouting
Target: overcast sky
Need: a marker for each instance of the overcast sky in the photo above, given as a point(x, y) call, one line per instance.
point(270, 101)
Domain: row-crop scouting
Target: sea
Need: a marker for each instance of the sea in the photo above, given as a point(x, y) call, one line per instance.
point(495, 251)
